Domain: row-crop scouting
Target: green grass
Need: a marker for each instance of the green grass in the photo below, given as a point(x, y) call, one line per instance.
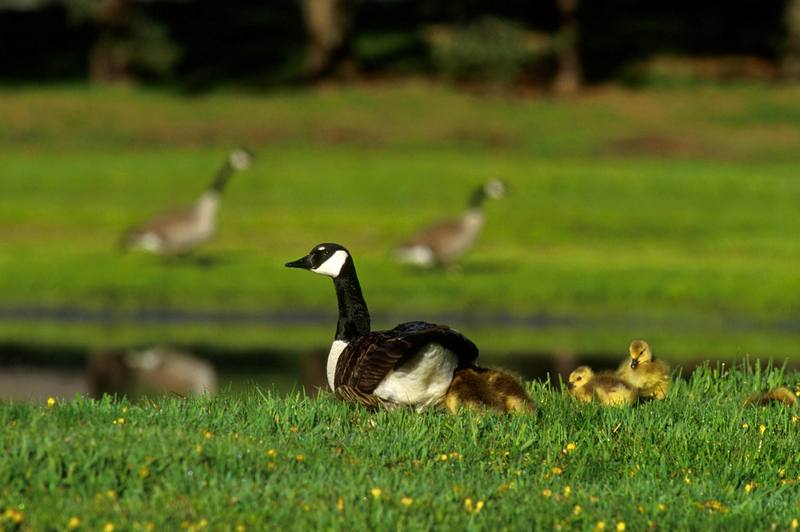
point(650, 210)
point(698, 460)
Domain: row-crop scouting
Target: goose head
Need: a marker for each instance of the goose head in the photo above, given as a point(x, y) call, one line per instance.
point(640, 352)
point(325, 259)
point(494, 189)
point(240, 159)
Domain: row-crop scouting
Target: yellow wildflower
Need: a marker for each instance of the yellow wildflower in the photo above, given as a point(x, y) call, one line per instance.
point(571, 446)
point(478, 506)
point(620, 526)
point(468, 505)
point(376, 492)
point(567, 490)
point(340, 504)
point(208, 434)
point(300, 457)
point(293, 429)
point(109, 527)
point(240, 528)
point(748, 487)
point(662, 507)
point(111, 494)
point(406, 501)
point(121, 421)
point(601, 525)
point(546, 493)
point(795, 419)
point(557, 470)
point(443, 457)
point(144, 472)
point(271, 453)
point(762, 429)
point(577, 509)
point(74, 522)
point(794, 524)
point(745, 426)
point(51, 402)
point(198, 449)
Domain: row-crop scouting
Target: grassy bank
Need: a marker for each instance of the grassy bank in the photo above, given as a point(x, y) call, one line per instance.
point(665, 206)
point(698, 460)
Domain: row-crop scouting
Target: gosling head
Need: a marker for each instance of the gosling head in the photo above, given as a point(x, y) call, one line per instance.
point(240, 159)
point(579, 377)
point(640, 352)
point(325, 259)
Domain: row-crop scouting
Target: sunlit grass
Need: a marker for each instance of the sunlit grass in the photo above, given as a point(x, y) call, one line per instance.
point(698, 460)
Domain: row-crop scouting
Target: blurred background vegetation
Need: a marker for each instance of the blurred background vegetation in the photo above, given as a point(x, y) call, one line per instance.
point(651, 149)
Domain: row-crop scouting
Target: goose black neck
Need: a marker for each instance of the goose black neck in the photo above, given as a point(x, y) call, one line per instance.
point(477, 198)
point(222, 177)
point(353, 312)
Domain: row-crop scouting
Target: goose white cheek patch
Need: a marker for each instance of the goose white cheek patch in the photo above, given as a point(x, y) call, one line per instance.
point(333, 265)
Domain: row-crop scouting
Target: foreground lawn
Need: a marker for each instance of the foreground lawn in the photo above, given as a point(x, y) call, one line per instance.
point(667, 214)
point(698, 460)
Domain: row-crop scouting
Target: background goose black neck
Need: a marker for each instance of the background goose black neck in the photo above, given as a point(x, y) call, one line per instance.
point(221, 179)
point(353, 313)
point(477, 198)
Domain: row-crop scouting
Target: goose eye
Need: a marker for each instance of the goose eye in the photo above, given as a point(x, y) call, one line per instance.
point(579, 378)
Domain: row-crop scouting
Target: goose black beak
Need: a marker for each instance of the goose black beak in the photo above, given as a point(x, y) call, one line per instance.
point(634, 363)
point(304, 263)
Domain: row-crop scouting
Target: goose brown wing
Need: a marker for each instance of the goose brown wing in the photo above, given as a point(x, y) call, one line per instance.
point(367, 360)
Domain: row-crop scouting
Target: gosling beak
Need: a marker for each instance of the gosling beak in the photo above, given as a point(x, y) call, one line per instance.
point(634, 361)
point(303, 263)
point(570, 386)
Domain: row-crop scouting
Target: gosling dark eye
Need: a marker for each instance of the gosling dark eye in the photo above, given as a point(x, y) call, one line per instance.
point(579, 378)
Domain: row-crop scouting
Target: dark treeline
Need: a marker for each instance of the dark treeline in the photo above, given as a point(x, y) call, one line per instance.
point(202, 43)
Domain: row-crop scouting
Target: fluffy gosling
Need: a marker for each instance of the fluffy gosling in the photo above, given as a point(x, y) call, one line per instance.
point(476, 388)
point(644, 372)
point(776, 395)
point(604, 387)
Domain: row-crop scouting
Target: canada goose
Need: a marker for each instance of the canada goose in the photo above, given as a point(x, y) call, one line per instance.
point(776, 395)
point(475, 387)
point(412, 364)
point(182, 230)
point(642, 370)
point(155, 370)
point(445, 242)
point(604, 387)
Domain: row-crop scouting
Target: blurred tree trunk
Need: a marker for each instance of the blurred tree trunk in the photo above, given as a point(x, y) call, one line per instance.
point(328, 23)
point(110, 59)
point(568, 77)
point(791, 56)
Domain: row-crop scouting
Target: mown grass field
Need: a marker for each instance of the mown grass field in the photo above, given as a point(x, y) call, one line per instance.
point(696, 461)
point(668, 214)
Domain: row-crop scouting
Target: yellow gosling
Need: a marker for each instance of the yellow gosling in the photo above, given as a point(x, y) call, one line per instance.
point(776, 395)
point(604, 387)
point(478, 388)
point(644, 372)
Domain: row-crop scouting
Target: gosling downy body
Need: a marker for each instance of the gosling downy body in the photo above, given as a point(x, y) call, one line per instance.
point(477, 388)
point(604, 387)
point(774, 396)
point(650, 376)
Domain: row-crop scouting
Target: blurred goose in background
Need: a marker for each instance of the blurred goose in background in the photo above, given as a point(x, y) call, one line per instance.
point(444, 243)
point(157, 370)
point(604, 387)
point(410, 365)
point(181, 231)
point(644, 372)
point(781, 394)
point(475, 388)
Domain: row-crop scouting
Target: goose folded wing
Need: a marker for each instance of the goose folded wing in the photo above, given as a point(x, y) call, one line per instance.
point(366, 361)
